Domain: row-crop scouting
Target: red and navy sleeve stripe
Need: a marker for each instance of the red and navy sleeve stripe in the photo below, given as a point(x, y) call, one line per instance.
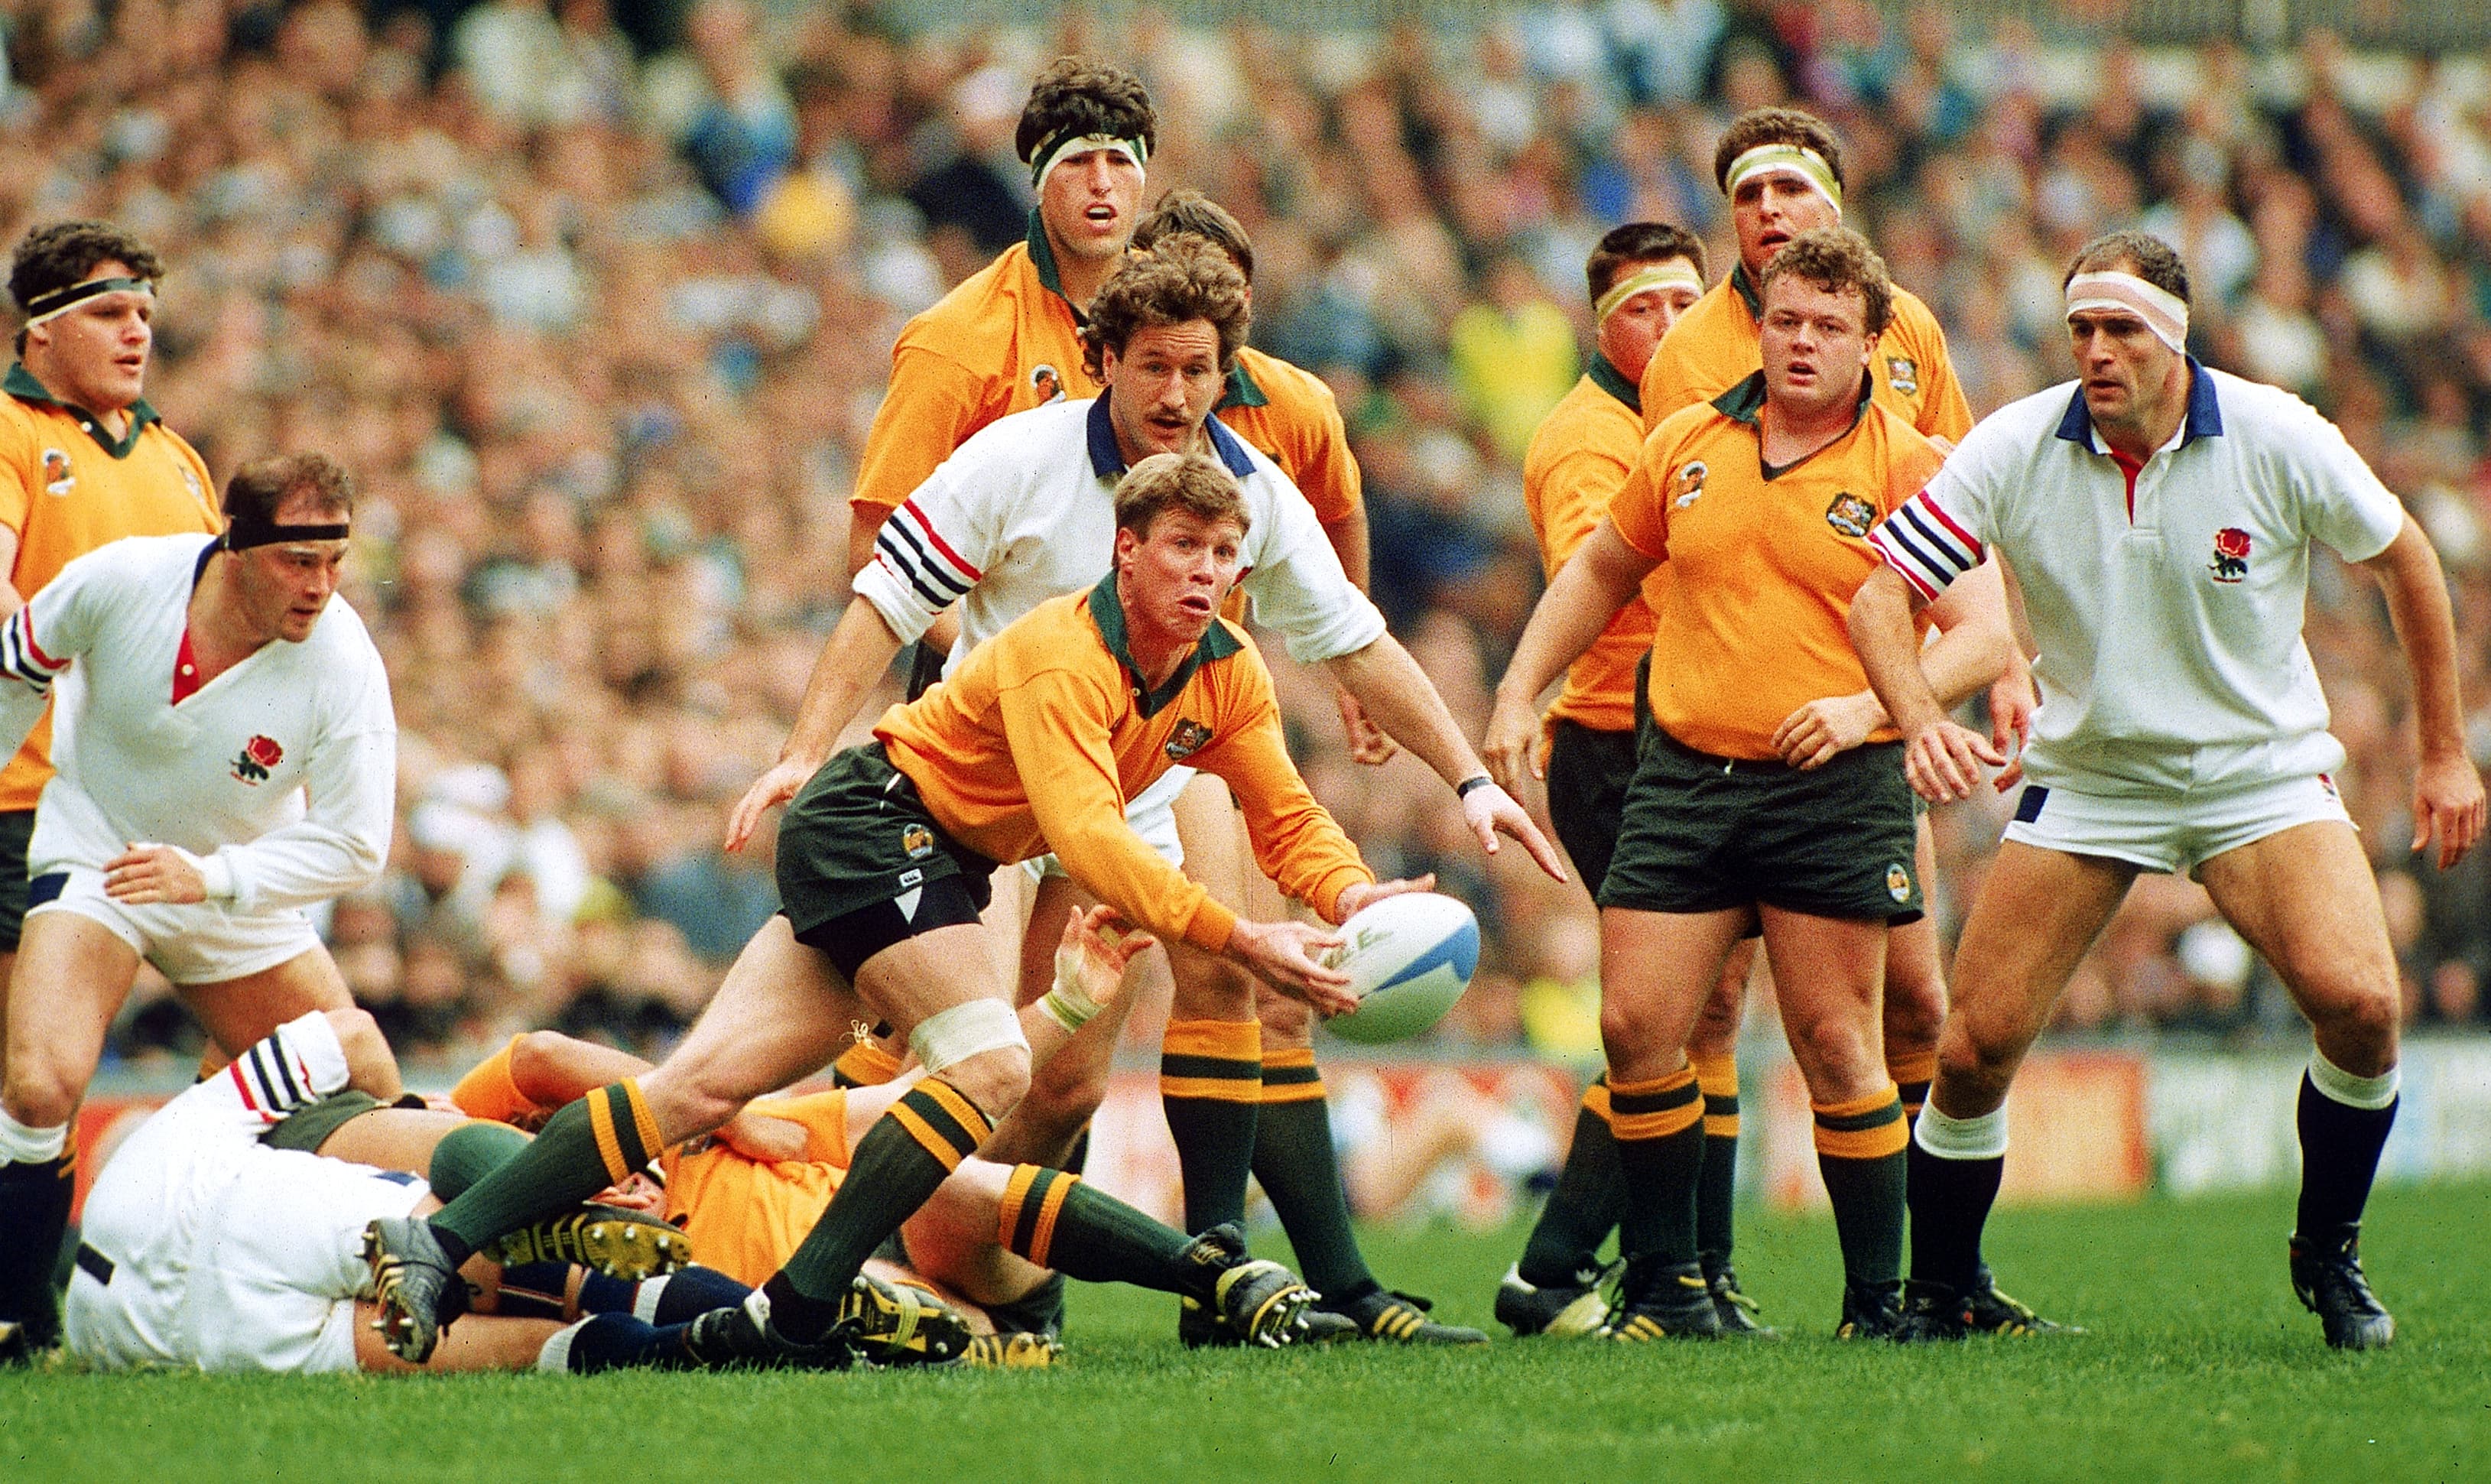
point(22, 657)
point(917, 554)
point(273, 1081)
point(1920, 541)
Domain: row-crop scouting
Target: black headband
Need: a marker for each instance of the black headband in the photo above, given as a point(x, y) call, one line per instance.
point(250, 529)
point(53, 301)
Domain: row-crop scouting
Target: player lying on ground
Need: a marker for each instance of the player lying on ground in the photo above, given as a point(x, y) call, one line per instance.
point(1760, 796)
point(1034, 744)
point(217, 685)
point(989, 1236)
point(2158, 515)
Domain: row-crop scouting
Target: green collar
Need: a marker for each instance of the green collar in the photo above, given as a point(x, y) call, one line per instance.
point(1042, 256)
point(1242, 391)
point(1107, 611)
point(1746, 404)
point(1611, 380)
point(21, 384)
point(1748, 294)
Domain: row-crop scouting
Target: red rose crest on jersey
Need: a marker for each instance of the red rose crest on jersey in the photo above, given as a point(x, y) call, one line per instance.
point(257, 756)
point(2231, 561)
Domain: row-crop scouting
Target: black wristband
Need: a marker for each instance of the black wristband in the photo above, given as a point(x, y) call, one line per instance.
point(1462, 790)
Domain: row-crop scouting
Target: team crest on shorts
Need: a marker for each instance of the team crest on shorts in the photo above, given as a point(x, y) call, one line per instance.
point(1047, 382)
point(1902, 374)
point(1689, 484)
point(1850, 514)
point(918, 841)
point(57, 478)
point(1898, 882)
point(2231, 561)
point(1186, 739)
point(257, 756)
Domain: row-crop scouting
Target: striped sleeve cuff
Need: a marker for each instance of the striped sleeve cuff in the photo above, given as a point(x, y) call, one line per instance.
point(292, 1068)
point(22, 657)
point(1927, 547)
point(916, 573)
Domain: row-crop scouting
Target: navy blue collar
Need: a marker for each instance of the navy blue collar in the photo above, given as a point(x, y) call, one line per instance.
point(1108, 460)
point(2205, 419)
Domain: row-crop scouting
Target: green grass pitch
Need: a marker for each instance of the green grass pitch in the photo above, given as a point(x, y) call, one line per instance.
point(2199, 1366)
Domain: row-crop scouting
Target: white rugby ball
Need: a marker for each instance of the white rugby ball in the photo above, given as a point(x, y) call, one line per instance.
point(1408, 957)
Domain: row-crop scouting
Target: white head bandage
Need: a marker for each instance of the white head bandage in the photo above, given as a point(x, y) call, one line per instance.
point(1064, 147)
point(2163, 311)
point(1796, 160)
point(1675, 273)
point(55, 303)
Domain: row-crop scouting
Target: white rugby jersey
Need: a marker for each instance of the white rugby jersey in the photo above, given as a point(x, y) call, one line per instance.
point(1025, 510)
point(2167, 608)
point(225, 773)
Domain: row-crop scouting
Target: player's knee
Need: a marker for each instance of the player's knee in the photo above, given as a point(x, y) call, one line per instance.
point(1913, 1014)
point(1835, 1054)
point(995, 1080)
point(2366, 1017)
point(1286, 1022)
point(1208, 988)
point(357, 1031)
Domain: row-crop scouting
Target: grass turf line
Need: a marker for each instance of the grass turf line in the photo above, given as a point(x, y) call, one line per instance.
point(2200, 1365)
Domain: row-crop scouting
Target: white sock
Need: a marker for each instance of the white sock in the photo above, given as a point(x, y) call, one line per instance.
point(23, 1146)
point(2335, 1083)
point(644, 1301)
point(556, 1354)
point(1952, 1138)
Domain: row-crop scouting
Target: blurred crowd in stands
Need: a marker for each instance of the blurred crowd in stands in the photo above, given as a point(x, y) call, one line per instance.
point(598, 320)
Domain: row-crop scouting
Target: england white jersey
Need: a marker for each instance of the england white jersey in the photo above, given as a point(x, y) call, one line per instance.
point(1025, 510)
point(2166, 601)
point(225, 770)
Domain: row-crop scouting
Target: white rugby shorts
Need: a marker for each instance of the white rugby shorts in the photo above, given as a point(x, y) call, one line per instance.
point(2171, 832)
point(1152, 816)
point(205, 943)
point(224, 1254)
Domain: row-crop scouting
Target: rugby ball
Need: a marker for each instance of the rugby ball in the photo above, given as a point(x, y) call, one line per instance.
point(1408, 957)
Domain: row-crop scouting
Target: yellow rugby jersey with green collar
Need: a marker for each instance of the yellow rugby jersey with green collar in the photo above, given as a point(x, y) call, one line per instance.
point(1752, 622)
point(1044, 734)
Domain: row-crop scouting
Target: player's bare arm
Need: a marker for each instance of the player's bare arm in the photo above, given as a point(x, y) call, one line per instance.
point(1597, 580)
point(857, 653)
point(1974, 646)
point(1405, 704)
point(1941, 759)
point(2447, 788)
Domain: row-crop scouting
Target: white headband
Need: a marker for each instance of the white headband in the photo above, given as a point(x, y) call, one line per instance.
point(1056, 151)
point(2165, 312)
point(1675, 273)
point(1787, 159)
point(51, 306)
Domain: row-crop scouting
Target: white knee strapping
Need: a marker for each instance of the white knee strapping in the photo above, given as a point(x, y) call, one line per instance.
point(951, 1037)
point(1980, 1138)
point(2335, 1083)
point(23, 1146)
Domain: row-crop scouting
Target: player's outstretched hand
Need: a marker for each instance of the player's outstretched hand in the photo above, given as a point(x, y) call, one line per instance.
point(1093, 955)
point(1357, 897)
point(1289, 957)
point(769, 791)
point(1943, 761)
point(147, 873)
point(2448, 803)
point(1367, 743)
point(1826, 728)
point(1491, 812)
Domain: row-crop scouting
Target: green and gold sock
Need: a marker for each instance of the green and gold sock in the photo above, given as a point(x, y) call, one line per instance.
point(1859, 1146)
point(1059, 1221)
point(1590, 1196)
point(1299, 1169)
point(1716, 1191)
point(1659, 1129)
point(1211, 1086)
point(585, 1147)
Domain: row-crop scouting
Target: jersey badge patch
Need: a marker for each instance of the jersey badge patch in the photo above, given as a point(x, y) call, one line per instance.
point(257, 756)
point(1851, 515)
point(1898, 882)
point(2231, 561)
point(918, 841)
point(1902, 375)
point(1186, 739)
point(58, 480)
point(1688, 485)
point(1047, 382)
